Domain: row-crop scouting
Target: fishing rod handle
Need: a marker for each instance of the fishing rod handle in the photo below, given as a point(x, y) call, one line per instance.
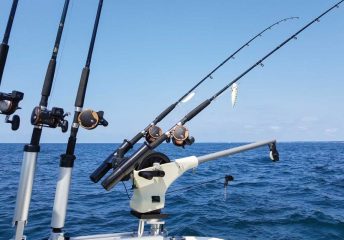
point(127, 145)
point(163, 114)
point(48, 82)
point(102, 170)
point(49, 76)
point(3, 57)
point(80, 97)
point(125, 168)
point(195, 111)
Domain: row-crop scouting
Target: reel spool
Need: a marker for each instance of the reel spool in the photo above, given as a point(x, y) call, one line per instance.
point(153, 133)
point(180, 136)
point(90, 119)
point(50, 118)
point(5, 106)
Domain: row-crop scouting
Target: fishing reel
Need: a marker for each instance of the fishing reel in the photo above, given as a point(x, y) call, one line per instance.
point(180, 136)
point(153, 133)
point(90, 119)
point(50, 118)
point(8, 105)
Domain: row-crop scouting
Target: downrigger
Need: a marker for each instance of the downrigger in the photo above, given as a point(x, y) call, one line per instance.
point(180, 134)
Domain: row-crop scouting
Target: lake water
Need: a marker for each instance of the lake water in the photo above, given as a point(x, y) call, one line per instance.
point(299, 197)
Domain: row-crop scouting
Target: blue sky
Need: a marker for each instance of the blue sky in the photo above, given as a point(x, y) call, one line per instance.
point(148, 53)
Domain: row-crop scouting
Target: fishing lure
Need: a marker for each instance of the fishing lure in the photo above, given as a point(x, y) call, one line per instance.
point(234, 95)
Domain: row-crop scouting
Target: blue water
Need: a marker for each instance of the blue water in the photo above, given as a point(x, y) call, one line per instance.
point(299, 197)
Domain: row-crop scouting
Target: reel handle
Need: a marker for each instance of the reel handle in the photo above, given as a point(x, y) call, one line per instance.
point(102, 121)
point(63, 124)
point(15, 122)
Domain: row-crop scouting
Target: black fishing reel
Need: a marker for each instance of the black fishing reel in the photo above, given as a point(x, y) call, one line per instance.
point(153, 133)
point(90, 119)
point(8, 105)
point(180, 136)
point(50, 118)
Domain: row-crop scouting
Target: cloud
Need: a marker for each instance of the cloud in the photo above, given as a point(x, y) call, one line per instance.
point(331, 130)
point(308, 119)
point(275, 128)
point(303, 128)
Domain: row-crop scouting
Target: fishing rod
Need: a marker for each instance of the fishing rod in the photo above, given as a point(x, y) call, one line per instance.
point(178, 132)
point(152, 132)
point(88, 119)
point(41, 117)
point(9, 101)
point(4, 47)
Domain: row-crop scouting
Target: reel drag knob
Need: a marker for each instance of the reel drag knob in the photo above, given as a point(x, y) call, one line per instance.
point(102, 121)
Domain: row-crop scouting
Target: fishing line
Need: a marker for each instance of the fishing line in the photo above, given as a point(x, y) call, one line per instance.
point(126, 190)
point(85, 118)
point(128, 165)
point(195, 185)
point(152, 132)
point(66, 30)
point(41, 117)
